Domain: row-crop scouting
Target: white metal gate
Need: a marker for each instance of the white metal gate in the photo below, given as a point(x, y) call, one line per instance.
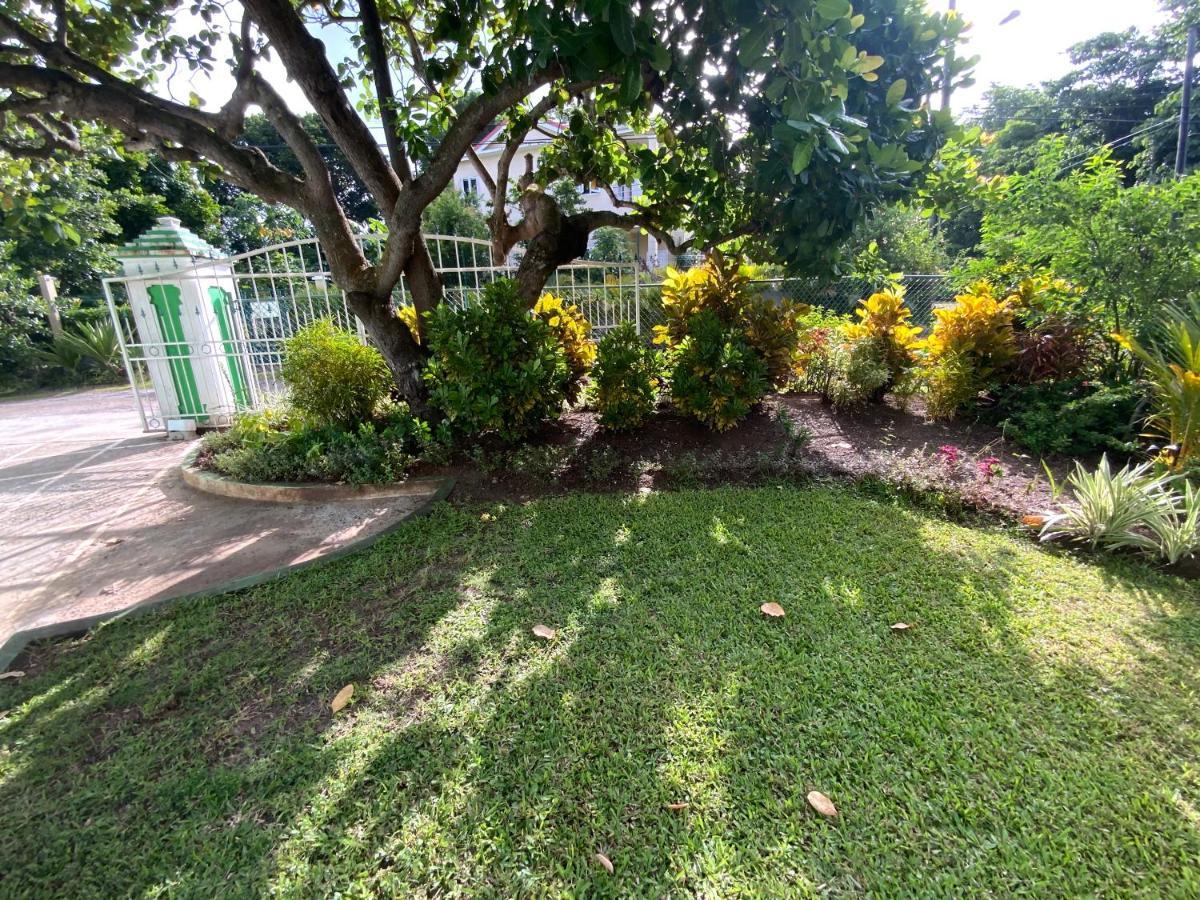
point(279, 289)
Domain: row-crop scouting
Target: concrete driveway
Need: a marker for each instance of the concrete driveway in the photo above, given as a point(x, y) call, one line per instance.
point(94, 516)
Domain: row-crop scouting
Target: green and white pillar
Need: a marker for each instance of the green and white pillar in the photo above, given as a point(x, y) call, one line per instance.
point(182, 295)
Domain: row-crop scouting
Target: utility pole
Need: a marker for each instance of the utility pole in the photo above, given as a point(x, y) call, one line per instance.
point(949, 61)
point(1185, 107)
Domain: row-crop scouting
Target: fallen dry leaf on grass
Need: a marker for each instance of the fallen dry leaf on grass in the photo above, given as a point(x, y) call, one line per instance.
point(675, 807)
point(774, 610)
point(822, 804)
point(1033, 521)
point(545, 631)
point(342, 698)
point(15, 673)
point(901, 626)
point(606, 862)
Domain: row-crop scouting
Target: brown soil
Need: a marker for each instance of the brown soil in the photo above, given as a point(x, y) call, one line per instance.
point(789, 435)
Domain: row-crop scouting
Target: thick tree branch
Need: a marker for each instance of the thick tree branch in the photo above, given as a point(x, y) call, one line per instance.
point(385, 95)
point(57, 54)
point(127, 109)
point(476, 116)
point(305, 58)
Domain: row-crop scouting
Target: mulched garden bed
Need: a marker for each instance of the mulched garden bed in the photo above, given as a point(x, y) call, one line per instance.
point(789, 435)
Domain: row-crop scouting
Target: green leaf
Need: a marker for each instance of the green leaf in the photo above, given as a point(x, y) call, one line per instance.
point(834, 9)
point(802, 156)
point(754, 44)
point(622, 30)
point(896, 92)
point(869, 64)
point(660, 58)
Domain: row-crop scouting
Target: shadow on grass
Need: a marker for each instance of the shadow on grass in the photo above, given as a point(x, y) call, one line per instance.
point(1013, 740)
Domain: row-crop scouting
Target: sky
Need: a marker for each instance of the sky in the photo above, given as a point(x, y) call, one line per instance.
point(1033, 47)
point(1029, 49)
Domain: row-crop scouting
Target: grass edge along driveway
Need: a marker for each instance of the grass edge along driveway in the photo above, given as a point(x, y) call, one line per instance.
point(1036, 731)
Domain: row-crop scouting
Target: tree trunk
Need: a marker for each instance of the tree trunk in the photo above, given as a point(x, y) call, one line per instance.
point(565, 239)
point(403, 355)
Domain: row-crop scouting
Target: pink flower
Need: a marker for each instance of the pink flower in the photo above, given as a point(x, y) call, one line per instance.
point(950, 454)
point(989, 468)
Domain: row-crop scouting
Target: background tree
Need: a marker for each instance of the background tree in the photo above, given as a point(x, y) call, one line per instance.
point(779, 125)
point(454, 212)
point(904, 239)
point(610, 245)
point(1130, 248)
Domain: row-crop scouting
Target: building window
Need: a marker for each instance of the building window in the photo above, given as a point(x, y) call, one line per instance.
point(470, 186)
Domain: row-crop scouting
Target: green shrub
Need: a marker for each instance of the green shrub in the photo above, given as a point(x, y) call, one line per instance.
point(624, 379)
point(493, 366)
point(1069, 417)
point(725, 287)
point(267, 447)
point(859, 371)
point(716, 376)
point(334, 378)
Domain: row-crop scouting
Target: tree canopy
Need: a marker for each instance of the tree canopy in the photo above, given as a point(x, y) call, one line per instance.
point(778, 125)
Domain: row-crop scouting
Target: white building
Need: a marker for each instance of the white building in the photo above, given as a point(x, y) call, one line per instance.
point(650, 252)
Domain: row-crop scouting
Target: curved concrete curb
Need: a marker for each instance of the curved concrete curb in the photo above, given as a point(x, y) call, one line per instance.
point(211, 483)
point(12, 648)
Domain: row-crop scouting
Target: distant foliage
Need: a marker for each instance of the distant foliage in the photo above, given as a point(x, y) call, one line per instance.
point(611, 245)
point(455, 213)
point(494, 367)
point(1127, 248)
point(625, 379)
point(897, 238)
point(333, 378)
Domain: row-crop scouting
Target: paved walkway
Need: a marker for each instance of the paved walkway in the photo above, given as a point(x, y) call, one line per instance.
point(94, 516)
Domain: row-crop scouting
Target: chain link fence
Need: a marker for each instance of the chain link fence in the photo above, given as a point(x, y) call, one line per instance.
point(923, 293)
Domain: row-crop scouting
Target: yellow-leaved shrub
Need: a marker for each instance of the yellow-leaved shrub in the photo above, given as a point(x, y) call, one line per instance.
point(885, 320)
point(573, 332)
point(970, 346)
point(725, 287)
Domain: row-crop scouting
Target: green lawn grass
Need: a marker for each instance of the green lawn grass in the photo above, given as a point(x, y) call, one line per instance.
point(1037, 733)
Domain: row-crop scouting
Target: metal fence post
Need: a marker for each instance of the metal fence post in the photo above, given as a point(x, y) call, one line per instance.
point(129, 370)
point(637, 295)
